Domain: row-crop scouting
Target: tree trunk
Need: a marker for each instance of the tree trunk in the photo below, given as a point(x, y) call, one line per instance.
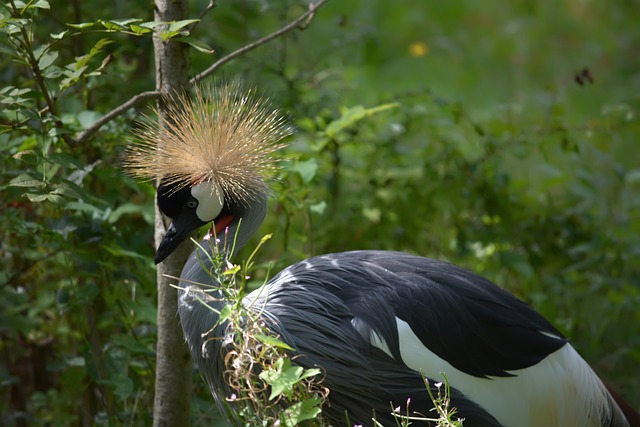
point(173, 361)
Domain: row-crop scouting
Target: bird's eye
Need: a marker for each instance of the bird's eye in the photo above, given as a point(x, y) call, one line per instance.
point(192, 203)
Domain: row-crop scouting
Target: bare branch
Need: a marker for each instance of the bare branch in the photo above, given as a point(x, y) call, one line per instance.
point(301, 22)
point(139, 98)
point(211, 5)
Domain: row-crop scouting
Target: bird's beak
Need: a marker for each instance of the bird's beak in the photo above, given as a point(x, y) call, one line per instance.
point(181, 228)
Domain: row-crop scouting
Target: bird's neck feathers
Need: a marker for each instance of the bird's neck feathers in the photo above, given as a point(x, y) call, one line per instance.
point(233, 230)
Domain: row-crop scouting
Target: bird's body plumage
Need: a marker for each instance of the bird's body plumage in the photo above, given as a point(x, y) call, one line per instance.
point(390, 316)
point(374, 322)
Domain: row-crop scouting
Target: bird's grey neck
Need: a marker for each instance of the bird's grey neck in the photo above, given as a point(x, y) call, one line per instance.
point(243, 227)
point(199, 302)
point(199, 297)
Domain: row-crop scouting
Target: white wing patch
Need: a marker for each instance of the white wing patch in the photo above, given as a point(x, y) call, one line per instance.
point(561, 390)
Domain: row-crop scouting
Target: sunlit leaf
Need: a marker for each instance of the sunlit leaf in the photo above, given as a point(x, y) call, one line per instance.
point(195, 43)
point(82, 25)
point(318, 208)
point(138, 29)
point(178, 25)
point(307, 169)
point(352, 115)
point(282, 378)
point(306, 410)
point(167, 35)
point(40, 4)
point(47, 59)
point(60, 35)
point(26, 180)
point(225, 313)
point(273, 341)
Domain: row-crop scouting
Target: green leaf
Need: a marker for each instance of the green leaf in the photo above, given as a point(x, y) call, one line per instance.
point(99, 45)
point(231, 271)
point(140, 30)
point(14, 25)
point(127, 209)
point(311, 372)
point(466, 141)
point(318, 208)
point(125, 22)
point(26, 180)
point(123, 386)
point(132, 344)
point(301, 411)
point(633, 177)
point(53, 72)
point(82, 25)
point(196, 44)
point(51, 197)
point(307, 169)
point(273, 341)
point(152, 24)
point(226, 312)
point(60, 35)
point(87, 118)
point(282, 378)
point(65, 160)
point(110, 26)
point(121, 252)
point(372, 214)
point(75, 361)
point(71, 77)
point(167, 35)
point(85, 207)
point(352, 115)
point(348, 118)
point(118, 24)
point(47, 59)
point(40, 4)
point(64, 190)
point(178, 25)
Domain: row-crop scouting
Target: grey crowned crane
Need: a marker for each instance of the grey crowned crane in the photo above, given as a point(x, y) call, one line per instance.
point(372, 321)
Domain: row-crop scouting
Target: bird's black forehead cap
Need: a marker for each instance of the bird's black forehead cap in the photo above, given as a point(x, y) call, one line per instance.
point(171, 198)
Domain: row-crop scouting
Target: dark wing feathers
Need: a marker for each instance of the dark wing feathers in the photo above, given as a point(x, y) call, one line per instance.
point(302, 308)
point(377, 286)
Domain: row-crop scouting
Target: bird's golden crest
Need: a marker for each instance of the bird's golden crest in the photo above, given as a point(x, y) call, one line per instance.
point(224, 135)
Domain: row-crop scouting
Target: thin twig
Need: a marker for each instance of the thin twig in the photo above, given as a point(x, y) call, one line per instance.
point(139, 98)
point(301, 22)
point(212, 4)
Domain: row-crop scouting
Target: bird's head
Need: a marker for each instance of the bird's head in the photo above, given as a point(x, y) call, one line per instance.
point(211, 157)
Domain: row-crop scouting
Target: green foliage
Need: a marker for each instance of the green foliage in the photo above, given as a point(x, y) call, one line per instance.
point(78, 312)
point(269, 388)
point(445, 414)
point(494, 157)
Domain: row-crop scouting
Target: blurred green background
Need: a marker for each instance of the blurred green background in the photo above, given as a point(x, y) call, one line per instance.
point(501, 136)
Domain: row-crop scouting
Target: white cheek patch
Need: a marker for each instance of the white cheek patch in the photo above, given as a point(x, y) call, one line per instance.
point(210, 200)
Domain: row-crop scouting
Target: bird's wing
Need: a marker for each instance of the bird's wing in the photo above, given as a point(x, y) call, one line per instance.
point(473, 324)
point(305, 310)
